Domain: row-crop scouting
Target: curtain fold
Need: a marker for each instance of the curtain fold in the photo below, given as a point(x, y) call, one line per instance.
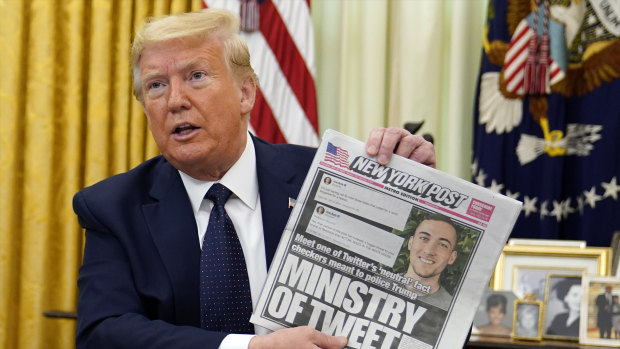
point(391, 62)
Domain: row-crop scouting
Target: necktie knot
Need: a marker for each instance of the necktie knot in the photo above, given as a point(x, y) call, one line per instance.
point(218, 193)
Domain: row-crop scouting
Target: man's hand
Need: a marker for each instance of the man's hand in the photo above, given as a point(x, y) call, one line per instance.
point(385, 141)
point(303, 337)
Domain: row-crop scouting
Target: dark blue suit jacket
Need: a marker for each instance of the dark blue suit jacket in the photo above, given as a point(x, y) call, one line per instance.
point(138, 285)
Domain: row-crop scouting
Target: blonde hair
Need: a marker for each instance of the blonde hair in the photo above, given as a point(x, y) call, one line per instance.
point(194, 26)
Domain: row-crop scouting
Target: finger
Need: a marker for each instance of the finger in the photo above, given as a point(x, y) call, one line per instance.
point(325, 341)
point(416, 148)
point(425, 155)
point(391, 137)
point(374, 140)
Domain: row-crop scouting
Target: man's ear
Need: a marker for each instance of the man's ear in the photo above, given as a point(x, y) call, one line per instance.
point(452, 257)
point(248, 94)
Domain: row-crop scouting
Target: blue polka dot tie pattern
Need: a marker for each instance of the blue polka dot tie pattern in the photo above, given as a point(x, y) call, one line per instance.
point(225, 299)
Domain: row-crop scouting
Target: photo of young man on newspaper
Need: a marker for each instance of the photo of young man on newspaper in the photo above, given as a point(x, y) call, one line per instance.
point(431, 249)
point(432, 263)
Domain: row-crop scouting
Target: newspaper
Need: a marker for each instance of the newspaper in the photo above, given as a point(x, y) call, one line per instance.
point(368, 254)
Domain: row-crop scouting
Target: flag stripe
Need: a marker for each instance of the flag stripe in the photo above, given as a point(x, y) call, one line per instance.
point(290, 60)
point(298, 21)
point(288, 97)
point(522, 39)
point(515, 74)
point(263, 121)
point(277, 92)
point(516, 52)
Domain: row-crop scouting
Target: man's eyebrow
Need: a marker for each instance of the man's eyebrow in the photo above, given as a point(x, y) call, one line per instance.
point(441, 239)
point(150, 75)
point(190, 64)
point(446, 240)
point(184, 66)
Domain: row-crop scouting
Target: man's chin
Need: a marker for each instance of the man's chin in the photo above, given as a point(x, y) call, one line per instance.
point(197, 166)
point(427, 275)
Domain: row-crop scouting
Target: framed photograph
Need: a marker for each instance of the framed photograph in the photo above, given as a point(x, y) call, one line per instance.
point(533, 280)
point(495, 314)
point(600, 311)
point(562, 307)
point(528, 319)
point(553, 259)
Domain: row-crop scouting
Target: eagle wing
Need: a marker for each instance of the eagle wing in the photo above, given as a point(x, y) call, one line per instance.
point(601, 62)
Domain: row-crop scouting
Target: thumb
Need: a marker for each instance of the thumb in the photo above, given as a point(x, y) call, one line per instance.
point(331, 342)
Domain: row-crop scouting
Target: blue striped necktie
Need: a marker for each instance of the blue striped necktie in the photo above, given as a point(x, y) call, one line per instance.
point(225, 298)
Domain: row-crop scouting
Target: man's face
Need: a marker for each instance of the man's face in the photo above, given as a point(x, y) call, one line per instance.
point(194, 106)
point(431, 248)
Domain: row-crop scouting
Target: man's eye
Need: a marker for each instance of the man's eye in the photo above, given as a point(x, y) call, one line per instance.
point(198, 75)
point(154, 85)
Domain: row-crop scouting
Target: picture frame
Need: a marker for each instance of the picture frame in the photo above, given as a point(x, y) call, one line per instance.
point(527, 319)
point(562, 307)
point(533, 279)
point(547, 242)
point(597, 319)
point(495, 314)
point(615, 253)
point(555, 259)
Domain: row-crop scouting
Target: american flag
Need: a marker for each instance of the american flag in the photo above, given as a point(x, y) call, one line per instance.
point(516, 56)
point(282, 54)
point(337, 155)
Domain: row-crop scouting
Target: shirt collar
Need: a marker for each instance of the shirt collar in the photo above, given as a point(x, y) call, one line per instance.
point(241, 179)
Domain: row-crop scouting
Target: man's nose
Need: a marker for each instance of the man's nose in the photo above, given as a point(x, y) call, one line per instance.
point(177, 96)
point(429, 249)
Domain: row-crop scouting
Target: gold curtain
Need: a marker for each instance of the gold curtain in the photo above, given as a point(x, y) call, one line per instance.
point(67, 120)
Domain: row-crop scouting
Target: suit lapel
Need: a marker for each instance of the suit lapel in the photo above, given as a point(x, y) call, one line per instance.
point(173, 228)
point(277, 182)
point(172, 224)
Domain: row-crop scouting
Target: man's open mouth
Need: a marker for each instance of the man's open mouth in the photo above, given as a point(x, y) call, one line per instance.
point(426, 261)
point(184, 129)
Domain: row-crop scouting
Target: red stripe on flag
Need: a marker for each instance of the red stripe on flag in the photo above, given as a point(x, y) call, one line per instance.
point(555, 72)
point(515, 72)
point(263, 121)
point(516, 89)
point(520, 35)
point(516, 55)
point(290, 60)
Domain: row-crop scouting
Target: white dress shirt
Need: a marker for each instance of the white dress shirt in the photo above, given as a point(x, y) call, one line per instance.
point(243, 208)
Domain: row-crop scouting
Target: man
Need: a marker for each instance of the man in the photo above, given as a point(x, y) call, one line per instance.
point(141, 278)
point(603, 317)
point(431, 250)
